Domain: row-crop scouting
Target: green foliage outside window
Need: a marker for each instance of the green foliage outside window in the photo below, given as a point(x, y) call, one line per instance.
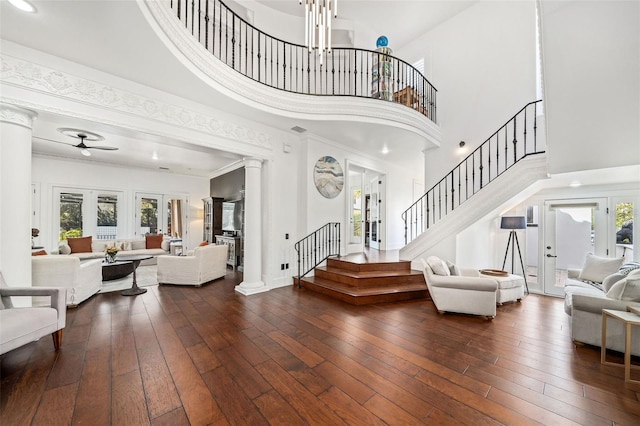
point(624, 213)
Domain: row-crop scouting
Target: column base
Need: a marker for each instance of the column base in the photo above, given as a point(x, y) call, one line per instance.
point(251, 288)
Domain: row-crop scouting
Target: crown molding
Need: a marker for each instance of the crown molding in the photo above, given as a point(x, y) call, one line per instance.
point(45, 80)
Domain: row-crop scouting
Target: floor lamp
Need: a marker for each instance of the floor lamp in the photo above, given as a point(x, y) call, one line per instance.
point(512, 223)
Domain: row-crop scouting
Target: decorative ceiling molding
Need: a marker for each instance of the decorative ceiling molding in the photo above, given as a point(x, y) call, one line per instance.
point(234, 84)
point(16, 115)
point(34, 77)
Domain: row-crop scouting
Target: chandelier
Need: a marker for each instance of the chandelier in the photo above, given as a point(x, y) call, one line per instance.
point(317, 24)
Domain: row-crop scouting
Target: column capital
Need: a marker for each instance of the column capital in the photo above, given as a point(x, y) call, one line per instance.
point(251, 162)
point(16, 115)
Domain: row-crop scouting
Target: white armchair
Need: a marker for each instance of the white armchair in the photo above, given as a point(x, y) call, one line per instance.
point(465, 293)
point(24, 325)
point(206, 264)
point(81, 278)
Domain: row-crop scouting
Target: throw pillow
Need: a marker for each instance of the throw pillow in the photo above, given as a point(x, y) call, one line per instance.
point(608, 282)
point(166, 245)
point(438, 266)
point(39, 253)
point(80, 245)
point(628, 267)
point(64, 249)
point(138, 244)
point(626, 289)
point(98, 246)
point(204, 243)
point(154, 241)
point(598, 268)
point(453, 269)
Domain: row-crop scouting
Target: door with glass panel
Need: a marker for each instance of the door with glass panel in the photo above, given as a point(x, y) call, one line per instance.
point(573, 228)
point(150, 214)
point(626, 212)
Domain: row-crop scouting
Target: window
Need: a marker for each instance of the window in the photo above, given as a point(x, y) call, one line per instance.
point(107, 211)
point(148, 215)
point(624, 230)
point(71, 215)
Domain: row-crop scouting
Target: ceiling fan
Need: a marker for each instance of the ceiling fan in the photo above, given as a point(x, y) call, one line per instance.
point(86, 136)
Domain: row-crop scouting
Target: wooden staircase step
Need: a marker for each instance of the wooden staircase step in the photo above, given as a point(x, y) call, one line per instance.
point(403, 265)
point(369, 278)
point(368, 295)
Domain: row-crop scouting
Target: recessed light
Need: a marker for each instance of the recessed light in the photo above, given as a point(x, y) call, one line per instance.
point(154, 156)
point(385, 150)
point(23, 5)
point(575, 184)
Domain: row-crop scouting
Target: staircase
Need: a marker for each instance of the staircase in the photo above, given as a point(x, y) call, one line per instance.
point(360, 280)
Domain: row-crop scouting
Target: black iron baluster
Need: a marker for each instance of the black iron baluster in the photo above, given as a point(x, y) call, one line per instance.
point(459, 186)
point(206, 25)
point(473, 173)
point(446, 195)
point(515, 141)
point(489, 160)
point(535, 127)
point(524, 153)
point(481, 168)
point(466, 179)
point(506, 149)
point(453, 192)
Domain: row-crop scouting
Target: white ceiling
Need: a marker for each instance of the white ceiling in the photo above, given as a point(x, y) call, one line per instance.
point(112, 36)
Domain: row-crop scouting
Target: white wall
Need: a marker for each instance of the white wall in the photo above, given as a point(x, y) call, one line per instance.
point(48, 173)
point(319, 210)
point(591, 66)
point(482, 61)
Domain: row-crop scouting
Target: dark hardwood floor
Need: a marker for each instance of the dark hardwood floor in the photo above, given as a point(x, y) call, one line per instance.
point(182, 355)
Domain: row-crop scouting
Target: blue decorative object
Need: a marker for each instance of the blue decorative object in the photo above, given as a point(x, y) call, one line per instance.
point(382, 41)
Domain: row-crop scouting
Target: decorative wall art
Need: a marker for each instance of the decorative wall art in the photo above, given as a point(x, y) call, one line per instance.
point(328, 177)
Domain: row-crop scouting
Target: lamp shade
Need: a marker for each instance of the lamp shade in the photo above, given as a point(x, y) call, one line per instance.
point(513, 222)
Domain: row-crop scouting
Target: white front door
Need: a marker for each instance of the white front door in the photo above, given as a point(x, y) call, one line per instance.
point(573, 228)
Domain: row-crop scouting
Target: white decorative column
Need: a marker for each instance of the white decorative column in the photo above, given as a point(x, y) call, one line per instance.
point(15, 194)
point(252, 282)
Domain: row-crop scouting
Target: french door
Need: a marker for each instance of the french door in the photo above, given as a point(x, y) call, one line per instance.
point(573, 228)
point(160, 214)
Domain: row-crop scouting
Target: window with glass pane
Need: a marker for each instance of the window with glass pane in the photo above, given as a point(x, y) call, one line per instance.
point(624, 231)
point(70, 215)
point(149, 215)
point(107, 228)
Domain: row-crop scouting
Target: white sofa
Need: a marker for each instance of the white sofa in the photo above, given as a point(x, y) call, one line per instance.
point(586, 295)
point(460, 290)
point(25, 325)
point(132, 246)
point(207, 263)
point(81, 279)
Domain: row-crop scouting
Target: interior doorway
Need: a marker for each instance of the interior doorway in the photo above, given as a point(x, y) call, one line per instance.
point(366, 209)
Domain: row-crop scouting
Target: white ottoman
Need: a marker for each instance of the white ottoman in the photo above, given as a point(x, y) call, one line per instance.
point(510, 288)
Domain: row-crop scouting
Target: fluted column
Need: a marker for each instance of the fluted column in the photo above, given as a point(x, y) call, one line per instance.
point(252, 282)
point(15, 194)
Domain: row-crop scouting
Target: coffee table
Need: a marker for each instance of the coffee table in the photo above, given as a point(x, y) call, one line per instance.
point(123, 266)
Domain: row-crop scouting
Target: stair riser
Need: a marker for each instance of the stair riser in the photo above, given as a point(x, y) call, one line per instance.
point(369, 299)
point(369, 281)
point(369, 267)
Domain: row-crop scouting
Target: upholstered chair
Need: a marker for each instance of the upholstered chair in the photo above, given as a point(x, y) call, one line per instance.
point(205, 264)
point(20, 326)
point(459, 290)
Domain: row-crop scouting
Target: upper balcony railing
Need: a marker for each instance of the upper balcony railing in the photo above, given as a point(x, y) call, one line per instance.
point(293, 68)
